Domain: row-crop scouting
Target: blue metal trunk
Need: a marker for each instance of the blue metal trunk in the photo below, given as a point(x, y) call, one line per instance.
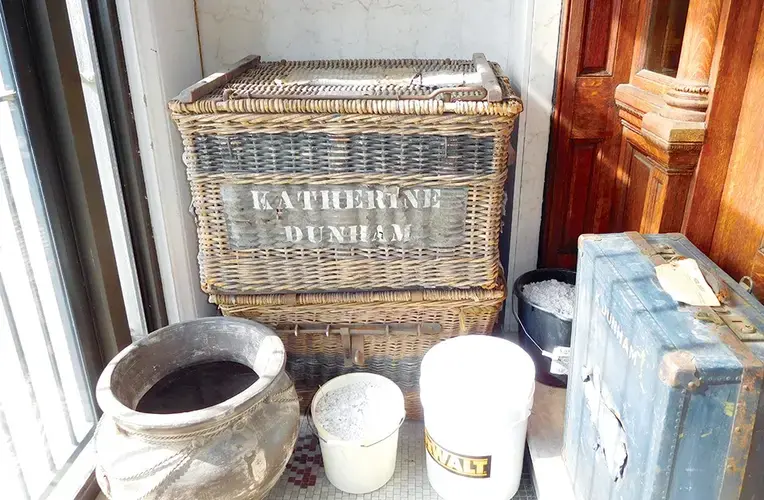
point(662, 397)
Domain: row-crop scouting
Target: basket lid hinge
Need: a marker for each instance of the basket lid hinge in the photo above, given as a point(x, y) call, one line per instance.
point(352, 336)
point(361, 329)
point(352, 346)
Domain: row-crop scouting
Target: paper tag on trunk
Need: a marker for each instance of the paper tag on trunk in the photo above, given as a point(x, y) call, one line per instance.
point(560, 361)
point(683, 280)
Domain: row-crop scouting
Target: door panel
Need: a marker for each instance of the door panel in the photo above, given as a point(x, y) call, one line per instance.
point(594, 97)
point(738, 245)
point(636, 189)
point(595, 56)
point(596, 37)
point(584, 157)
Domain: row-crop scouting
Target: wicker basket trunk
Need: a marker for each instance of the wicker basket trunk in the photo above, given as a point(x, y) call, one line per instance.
point(329, 334)
point(348, 175)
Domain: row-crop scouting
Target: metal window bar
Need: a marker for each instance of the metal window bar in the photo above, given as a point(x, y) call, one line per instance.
point(10, 326)
point(58, 167)
point(51, 488)
point(106, 155)
point(52, 259)
point(10, 449)
point(54, 270)
point(11, 205)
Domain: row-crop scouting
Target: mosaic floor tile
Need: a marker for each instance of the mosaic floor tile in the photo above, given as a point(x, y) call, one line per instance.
point(304, 478)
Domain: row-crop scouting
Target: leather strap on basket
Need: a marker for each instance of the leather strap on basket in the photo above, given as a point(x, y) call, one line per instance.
point(216, 80)
point(352, 346)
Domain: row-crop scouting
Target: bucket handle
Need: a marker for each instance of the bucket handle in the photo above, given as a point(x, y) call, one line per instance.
point(397, 427)
point(561, 357)
point(314, 431)
point(544, 353)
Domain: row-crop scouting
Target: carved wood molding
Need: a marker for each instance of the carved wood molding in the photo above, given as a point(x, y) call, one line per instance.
point(636, 101)
point(671, 134)
point(687, 100)
point(664, 118)
point(685, 106)
point(681, 101)
point(671, 167)
point(666, 192)
point(691, 89)
point(673, 145)
point(643, 111)
point(678, 157)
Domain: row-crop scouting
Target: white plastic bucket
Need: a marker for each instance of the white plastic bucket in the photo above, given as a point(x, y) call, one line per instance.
point(477, 394)
point(365, 465)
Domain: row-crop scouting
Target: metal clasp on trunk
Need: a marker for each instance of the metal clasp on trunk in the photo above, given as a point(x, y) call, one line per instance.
point(660, 253)
point(723, 316)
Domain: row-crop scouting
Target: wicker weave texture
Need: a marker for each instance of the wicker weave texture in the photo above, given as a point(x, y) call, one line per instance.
point(369, 77)
point(466, 317)
point(456, 311)
point(313, 371)
point(360, 86)
point(473, 162)
point(315, 358)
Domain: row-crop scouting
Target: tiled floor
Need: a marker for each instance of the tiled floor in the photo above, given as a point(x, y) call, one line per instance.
point(304, 478)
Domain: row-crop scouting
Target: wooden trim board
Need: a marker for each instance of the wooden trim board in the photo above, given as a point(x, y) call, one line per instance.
point(550, 477)
point(535, 81)
point(161, 57)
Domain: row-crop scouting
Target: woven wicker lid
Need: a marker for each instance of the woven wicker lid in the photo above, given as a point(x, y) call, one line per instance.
point(376, 86)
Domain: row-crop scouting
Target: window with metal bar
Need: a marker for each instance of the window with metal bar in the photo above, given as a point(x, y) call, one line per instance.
point(67, 272)
point(47, 413)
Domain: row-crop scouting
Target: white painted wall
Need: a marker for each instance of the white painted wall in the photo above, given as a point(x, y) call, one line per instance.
point(329, 29)
point(533, 73)
point(160, 38)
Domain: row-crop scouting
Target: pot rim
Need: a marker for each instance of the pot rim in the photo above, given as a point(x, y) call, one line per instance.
point(179, 423)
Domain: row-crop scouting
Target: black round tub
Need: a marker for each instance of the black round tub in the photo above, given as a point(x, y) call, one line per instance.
point(542, 330)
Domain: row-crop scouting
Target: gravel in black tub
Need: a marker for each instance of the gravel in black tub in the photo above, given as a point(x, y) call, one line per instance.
point(545, 308)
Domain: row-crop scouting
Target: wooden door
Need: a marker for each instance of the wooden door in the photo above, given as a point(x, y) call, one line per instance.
point(738, 243)
point(595, 56)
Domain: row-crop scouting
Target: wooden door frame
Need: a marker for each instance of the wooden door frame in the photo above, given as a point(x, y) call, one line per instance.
point(567, 72)
point(690, 146)
point(738, 29)
point(547, 246)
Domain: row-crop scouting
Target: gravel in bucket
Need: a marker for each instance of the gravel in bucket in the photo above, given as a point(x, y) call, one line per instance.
point(354, 411)
point(552, 295)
